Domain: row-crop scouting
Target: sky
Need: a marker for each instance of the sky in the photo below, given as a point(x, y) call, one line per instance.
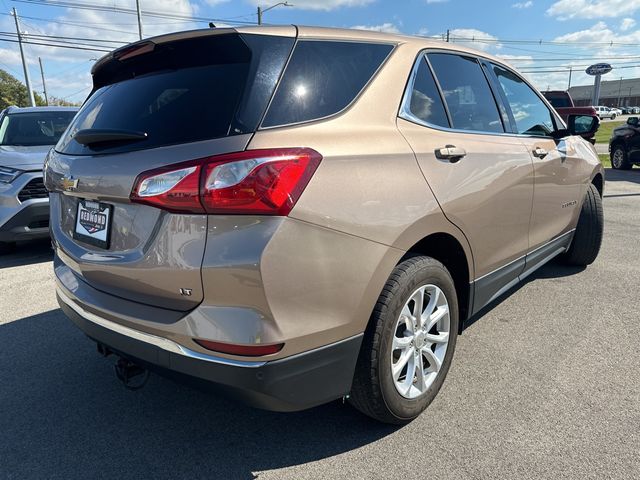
point(541, 38)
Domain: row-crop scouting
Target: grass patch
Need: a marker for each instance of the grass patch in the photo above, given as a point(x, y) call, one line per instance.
point(604, 131)
point(606, 161)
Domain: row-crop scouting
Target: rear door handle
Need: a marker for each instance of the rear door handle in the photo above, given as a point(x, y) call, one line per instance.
point(539, 152)
point(451, 153)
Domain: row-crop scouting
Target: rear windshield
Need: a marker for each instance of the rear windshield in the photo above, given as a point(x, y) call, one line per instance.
point(322, 78)
point(558, 101)
point(34, 128)
point(183, 91)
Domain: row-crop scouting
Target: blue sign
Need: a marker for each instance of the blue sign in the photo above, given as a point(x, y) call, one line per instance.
point(599, 69)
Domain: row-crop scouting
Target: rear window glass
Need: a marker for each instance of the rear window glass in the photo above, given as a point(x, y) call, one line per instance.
point(467, 93)
point(184, 91)
point(558, 101)
point(322, 78)
point(34, 128)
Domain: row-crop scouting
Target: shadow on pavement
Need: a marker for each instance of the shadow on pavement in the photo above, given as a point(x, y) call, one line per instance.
point(27, 253)
point(64, 415)
point(611, 175)
point(554, 269)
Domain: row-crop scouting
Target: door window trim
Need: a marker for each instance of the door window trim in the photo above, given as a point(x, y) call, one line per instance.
point(404, 110)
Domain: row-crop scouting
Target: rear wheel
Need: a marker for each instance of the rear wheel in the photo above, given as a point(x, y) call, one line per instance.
point(588, 236)
point(619, 159)
point(409, 344)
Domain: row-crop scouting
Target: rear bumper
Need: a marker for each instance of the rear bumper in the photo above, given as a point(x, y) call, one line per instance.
point(293, 383)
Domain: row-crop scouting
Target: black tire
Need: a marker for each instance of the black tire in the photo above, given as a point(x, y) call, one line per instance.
point(373, 391)
point(619, 158)
point(588, 237)
point(613, 117)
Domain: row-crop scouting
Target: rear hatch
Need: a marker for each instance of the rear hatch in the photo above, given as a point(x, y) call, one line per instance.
point(154, 104)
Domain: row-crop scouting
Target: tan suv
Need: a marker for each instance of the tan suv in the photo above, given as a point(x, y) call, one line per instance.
point(295, 215)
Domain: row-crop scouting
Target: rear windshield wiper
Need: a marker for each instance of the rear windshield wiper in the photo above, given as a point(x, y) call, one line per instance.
point(92, 136)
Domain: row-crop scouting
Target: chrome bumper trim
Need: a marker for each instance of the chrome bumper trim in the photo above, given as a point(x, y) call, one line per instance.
point(160, 342)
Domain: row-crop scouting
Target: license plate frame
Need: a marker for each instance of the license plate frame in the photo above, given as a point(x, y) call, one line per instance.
point(94, 226)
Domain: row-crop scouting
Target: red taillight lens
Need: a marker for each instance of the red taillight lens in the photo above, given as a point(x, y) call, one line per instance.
point(244, 350)
point(262, 182)
point(258, 181)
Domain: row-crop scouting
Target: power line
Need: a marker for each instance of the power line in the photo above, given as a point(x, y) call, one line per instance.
point(129, 11)
point(56, 45)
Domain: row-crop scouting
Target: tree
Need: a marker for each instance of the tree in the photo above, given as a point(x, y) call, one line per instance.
point(13, 92)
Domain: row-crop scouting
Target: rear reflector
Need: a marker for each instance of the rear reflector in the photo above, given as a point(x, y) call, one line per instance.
point(244, 350)
point(261, 182)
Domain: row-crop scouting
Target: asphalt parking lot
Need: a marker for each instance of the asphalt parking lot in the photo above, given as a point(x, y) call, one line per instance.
point(545, 384)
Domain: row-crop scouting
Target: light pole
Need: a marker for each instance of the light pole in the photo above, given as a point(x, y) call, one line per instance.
point(261, 10)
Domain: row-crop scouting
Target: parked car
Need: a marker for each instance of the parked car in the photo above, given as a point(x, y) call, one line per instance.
point(563, 103)
point(605, 112)
point(624, 145)
point(298, 214)
point(26, 135)
point(626, 110)
point(615, 110)
point(635, 110)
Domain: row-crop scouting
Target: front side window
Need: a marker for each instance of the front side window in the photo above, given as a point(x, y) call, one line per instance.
point(322, 78)
point(531, 115)
point(34, 128)
point(425, 103)
point(466, 92)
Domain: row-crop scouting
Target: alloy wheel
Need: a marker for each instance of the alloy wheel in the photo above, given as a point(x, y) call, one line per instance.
point(420, 340)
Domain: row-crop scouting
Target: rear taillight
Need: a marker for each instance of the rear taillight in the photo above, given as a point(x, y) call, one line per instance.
point(262, 182)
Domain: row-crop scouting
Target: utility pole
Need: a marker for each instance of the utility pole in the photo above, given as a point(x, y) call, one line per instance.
point(259, 15)
point(447, 35)
point(570, 71)
point(44, 85)
point(27, 80)
point(139, 19)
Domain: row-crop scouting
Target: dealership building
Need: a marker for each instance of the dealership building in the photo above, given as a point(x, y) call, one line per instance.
point(613, 93)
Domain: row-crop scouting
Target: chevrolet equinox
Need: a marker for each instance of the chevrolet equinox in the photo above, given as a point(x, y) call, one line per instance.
point(294, 215)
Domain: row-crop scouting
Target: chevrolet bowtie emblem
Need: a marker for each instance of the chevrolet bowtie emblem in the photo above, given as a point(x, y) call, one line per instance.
point(69, 183)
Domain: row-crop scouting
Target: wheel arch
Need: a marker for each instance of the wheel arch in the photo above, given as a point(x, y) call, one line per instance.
point(598, 182)
point(448, 250)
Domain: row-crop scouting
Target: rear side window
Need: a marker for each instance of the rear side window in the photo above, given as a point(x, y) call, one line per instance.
point(322, 78)
point(467, 93)
point(183, 91)
point(425, 103)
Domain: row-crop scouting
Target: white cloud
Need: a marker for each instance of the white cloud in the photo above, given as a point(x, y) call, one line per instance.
point(567, 9)
point(322, 4)
point(385, 27)
point(527, 4)
point(473, 38)
point(626, 24)
point(597, 33)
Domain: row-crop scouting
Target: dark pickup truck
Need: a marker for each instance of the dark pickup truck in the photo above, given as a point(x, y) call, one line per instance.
point(563, 103)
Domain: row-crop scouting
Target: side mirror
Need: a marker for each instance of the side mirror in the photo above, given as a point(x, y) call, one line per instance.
point(633, 121)
point(583, 125)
